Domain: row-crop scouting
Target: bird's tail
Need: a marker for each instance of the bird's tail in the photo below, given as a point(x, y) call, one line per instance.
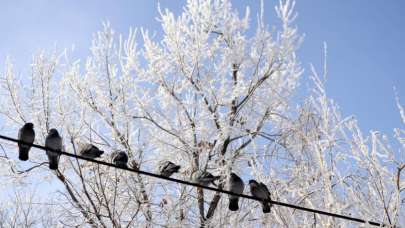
point(53, 163)
point(233, 204)
point(23, 153)
point(266, 207)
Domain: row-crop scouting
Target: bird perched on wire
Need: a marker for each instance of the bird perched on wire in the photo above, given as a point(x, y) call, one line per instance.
point(260, 190)
point(204, 178)
point(236, 185)
point(27, 135)
point(120, 158)
point(167, 168)
point(89, 151)
point(53, 141)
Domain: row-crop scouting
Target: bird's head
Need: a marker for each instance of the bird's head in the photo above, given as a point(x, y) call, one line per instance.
point(29, 125)
point(119, 155)
point(96, 150)
point(53, 132)
point(252, 182)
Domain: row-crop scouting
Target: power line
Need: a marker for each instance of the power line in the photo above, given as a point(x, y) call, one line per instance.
point(198, 185)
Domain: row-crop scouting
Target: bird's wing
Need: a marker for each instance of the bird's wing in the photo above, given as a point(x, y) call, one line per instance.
point(94, 148)
point(265, 189)
point(207, 175)
point(236, 185)
point(54, 143)
point(28, 135)
point(165, 165)
point(239, 183)
point(83, 148)
point(20, 133)
point(59, 143)
point(121, 156)
point(124, 157)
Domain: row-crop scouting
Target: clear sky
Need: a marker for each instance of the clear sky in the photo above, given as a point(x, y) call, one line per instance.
point(366, 42)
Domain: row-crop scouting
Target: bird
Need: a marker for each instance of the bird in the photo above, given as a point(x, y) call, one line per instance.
point(27, 135)
point(89, 151)
point(53, 141)
point(120, 158)
point(236, 185)
point(167, 168)
point(260, 190)
point(203, 177)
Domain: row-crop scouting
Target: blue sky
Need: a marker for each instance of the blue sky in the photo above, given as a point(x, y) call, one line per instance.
point(365, 42)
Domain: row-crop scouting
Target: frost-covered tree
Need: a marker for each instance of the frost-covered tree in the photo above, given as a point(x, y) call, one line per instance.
point(214, 93)
point(24, 209)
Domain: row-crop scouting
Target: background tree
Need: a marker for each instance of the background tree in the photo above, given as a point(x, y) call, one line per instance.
point(212, 94)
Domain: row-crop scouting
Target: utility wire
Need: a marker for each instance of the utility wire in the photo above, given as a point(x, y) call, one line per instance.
point(199, 185)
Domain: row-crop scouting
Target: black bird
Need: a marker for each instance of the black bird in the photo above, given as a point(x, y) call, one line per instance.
point(203, 177)
point(53, 141)
point(260, 190)
point(90, 151)
point(120, 158)
point(27, 135)
point(236, 185)
point(167, 168)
